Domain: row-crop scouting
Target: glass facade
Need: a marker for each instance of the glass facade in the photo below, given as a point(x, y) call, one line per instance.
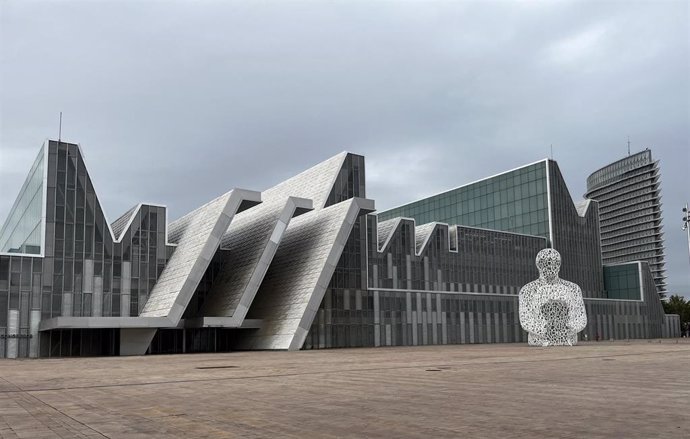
point(189, 340)
point(622, 281)
point(462, 287)
point(515, 201)
point(632, 318)
point(576, 236)
point(349, 182)
point(484, 261)
point(353, 318)
point(21, 232)
point(416, 298)
point(85, 271)
point(518, 201)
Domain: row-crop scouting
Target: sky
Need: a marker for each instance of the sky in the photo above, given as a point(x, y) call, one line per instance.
point(178, 102)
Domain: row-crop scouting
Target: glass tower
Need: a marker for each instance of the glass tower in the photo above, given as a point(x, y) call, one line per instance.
point(629, 196)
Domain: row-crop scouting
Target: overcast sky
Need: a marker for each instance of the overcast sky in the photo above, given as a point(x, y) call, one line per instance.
point(178, 102)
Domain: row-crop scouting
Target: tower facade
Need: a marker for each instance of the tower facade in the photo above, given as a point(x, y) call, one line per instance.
point(629, 196)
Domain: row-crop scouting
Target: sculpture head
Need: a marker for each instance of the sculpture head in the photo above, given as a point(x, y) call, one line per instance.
point(548, 264)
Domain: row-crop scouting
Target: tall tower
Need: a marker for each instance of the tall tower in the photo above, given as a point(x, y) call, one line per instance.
point(629, 196)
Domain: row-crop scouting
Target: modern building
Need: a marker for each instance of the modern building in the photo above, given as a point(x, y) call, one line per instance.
point(533, 200)
point(629, 195)
point(305, 264)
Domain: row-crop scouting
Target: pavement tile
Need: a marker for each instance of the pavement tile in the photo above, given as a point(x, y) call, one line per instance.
point(636, 389)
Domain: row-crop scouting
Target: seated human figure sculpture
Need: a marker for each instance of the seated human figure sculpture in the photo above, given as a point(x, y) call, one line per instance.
point(552, 310)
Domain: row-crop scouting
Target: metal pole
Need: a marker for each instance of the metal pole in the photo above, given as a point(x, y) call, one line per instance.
point(686, 225)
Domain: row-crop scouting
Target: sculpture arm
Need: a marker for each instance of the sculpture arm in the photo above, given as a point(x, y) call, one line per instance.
point(578, 312)
point(530, 319)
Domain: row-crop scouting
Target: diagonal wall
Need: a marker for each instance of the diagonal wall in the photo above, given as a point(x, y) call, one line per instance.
point(294, 286)
point(251, 240)
point(254, 236)
point(197, 236)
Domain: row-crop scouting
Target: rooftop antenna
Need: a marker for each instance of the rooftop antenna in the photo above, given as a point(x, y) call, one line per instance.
point(60, 129)
point(552, 151)
point(628, 145)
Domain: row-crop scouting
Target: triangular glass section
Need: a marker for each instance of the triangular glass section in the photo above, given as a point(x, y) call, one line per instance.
point(349, 182)
point(21, 232)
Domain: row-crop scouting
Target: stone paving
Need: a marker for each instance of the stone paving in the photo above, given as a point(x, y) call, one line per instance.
point(637, 389)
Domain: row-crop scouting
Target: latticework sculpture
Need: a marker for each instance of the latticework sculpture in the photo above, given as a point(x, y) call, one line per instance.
point(551, 309)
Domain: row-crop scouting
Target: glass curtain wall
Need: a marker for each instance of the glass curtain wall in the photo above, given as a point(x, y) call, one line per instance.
point(515, 201)
point(21, 232)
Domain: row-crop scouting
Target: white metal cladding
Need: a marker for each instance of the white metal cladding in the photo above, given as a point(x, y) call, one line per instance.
point(252, 240)
point(254, 236)
point(294, 285)
point(385, 231)
point(197, 235)
point(314, 184)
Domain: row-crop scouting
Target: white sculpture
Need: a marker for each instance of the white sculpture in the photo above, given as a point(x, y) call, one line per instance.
point(551, 309)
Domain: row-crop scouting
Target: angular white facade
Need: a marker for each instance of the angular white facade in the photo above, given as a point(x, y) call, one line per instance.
point(299, 275)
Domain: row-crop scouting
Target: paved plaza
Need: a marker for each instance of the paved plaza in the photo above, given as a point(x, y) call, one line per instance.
point(596, 390)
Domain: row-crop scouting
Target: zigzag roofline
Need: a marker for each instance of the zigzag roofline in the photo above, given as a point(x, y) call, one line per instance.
point(452, 240)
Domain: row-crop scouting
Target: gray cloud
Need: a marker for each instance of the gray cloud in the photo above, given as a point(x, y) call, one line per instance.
point(177, 102)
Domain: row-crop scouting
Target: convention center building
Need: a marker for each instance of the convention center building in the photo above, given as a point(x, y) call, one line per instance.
point(306, 264)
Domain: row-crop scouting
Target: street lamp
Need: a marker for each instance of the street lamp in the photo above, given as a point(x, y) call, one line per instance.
point(686, 225)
